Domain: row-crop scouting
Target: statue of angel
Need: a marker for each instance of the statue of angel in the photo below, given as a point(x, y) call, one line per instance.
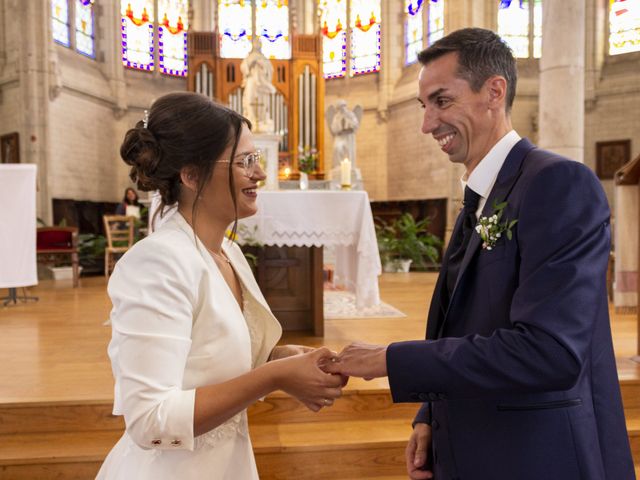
point(343, 124)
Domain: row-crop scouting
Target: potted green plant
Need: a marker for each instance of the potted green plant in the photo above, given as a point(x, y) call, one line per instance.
point(404, 242)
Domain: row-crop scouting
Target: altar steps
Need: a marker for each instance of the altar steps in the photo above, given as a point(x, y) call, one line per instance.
point(362, 436)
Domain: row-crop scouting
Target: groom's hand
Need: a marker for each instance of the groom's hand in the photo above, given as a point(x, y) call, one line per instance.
point(360, 360)
point(418, 451)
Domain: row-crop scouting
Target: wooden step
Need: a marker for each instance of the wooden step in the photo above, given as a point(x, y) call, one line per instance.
point(63, 456)
point(340, 450)
point(357, 449)
point(633, 429)
point(58, 417)
point(353, 405)
point(360, 401)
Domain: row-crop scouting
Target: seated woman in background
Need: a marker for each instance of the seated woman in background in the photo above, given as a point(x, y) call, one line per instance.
point(130, 205)
point(193, 340)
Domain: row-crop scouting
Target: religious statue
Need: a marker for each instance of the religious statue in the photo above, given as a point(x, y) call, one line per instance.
point(257, 73)
point(343, 124)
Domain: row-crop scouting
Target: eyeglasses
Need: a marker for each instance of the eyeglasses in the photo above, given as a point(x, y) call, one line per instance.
point(248, 162)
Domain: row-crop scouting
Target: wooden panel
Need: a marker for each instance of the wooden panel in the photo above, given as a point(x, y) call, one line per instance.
point(228, 77)
point(291, 280)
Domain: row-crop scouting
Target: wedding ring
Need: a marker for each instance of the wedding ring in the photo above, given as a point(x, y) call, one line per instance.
point(326, 402)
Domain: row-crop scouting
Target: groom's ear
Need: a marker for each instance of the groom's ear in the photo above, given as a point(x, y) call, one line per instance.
point(496, 88)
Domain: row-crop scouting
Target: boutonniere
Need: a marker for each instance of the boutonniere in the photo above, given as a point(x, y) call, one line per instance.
point(491, 228)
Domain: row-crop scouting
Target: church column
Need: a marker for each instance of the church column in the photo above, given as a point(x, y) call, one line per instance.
point(562, 78)
point(33, 71)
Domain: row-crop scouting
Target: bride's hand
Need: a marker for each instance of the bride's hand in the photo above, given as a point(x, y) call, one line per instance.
point(284, 351)
point(301, 377)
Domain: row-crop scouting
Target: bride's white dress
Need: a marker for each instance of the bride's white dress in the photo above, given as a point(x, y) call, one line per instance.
point(177, 326)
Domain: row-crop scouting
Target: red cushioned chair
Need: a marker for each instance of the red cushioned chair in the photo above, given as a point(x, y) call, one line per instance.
point(52, 243)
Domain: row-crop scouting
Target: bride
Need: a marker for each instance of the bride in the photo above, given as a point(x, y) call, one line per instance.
point(193, 340)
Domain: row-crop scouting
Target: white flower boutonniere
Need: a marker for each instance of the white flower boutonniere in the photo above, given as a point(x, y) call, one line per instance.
point(491, 229)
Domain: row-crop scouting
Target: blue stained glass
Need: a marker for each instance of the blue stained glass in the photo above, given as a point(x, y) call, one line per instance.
point(85, 36)
point(413, 39)
point(137, 34)
point(60, 21)
point(235, 27)
point(172, 36)
point(513, 26)
point(436, 21)
point(272, 24)
point(365, 36)
point(333, 24)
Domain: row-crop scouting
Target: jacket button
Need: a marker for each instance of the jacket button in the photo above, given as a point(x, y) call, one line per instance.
point(176, 443)
point(157, 441)
point(435, 425)
point(424, 397)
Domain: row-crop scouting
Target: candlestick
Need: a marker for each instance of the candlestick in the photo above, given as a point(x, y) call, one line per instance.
point(345, 173)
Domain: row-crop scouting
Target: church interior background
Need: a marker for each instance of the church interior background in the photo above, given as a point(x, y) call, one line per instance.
point(75, 75)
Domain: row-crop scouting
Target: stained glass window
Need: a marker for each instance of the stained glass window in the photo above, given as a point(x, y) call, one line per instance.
point(624, 26)
point(413, 30)
point(60, 21)
point(84, 28)
point(137, 33)
point(436, 21)
point(172, 36)
point(537, 28)
point(365, 36)
point(520, 25)
point(235, 27)
point(513, 25)
point(272, 24)
point(333, 25)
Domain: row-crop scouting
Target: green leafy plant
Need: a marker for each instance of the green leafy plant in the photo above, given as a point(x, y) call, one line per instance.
point(406, 239)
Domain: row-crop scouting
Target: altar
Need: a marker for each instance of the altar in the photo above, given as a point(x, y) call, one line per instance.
point(297, 220)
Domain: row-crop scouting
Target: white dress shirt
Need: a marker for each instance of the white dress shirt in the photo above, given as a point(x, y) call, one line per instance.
point(484, 176)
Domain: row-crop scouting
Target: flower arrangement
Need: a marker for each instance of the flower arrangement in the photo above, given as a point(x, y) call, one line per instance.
point(307, 159)
point(490, 229)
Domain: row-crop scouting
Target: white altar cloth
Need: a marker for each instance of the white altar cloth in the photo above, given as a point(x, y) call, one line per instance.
point(324, 218)
point(18, 267)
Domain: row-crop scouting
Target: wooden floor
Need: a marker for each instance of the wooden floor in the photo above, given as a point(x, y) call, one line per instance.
point(55, 349)
point(56, 392)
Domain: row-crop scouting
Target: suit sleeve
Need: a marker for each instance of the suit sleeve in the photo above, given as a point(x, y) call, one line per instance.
point(564, 241)
point(152, 293)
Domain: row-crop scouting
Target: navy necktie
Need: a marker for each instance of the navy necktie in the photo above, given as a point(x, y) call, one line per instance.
point(461, 240)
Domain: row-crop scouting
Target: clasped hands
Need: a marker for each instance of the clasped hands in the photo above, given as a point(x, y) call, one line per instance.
point(316, 376)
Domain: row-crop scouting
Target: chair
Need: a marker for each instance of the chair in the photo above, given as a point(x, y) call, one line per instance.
point(119, 233)
point(55, 242)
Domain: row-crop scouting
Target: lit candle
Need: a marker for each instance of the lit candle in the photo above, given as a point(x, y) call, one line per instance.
point(345, 172)
point(287, 172)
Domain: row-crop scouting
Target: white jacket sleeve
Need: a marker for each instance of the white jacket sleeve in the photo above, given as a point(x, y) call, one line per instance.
point(153, 295)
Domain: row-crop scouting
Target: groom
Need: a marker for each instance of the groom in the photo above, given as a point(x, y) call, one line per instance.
point(517, 377)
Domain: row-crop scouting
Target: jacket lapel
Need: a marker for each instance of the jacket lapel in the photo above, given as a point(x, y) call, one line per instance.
point(273, 330)
point(505, 181)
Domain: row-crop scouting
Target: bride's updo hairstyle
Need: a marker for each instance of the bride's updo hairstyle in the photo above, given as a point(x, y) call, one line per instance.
point(183, 129)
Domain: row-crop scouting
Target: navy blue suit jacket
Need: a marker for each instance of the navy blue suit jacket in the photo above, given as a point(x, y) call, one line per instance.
point(518, 375)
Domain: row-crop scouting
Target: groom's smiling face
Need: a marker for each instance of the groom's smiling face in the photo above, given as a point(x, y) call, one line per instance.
point(459, 119)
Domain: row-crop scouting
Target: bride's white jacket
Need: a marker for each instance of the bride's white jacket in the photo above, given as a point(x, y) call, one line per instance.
point(177, 326)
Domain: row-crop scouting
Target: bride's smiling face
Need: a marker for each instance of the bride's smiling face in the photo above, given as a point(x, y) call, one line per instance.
point(216, 199)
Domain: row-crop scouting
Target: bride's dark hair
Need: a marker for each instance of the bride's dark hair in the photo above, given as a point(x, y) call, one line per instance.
point(183, 129)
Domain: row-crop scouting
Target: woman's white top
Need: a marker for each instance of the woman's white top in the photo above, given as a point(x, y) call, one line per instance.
point(177, 326)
